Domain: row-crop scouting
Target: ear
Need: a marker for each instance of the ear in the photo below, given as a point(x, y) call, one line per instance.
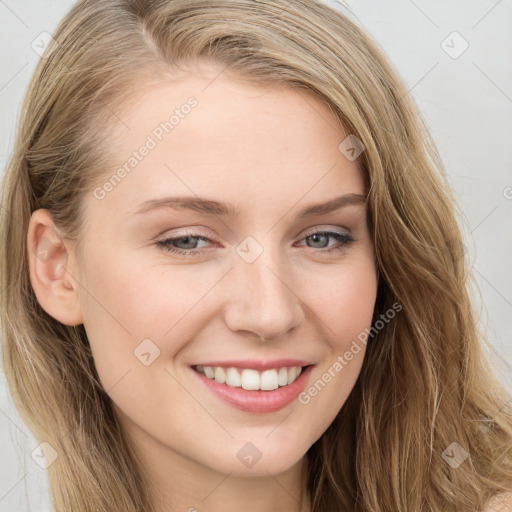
point(52, 266)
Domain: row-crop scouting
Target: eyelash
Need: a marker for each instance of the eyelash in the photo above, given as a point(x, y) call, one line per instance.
point(345, 239)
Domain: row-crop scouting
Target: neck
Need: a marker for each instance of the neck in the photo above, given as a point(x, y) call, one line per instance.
point(187, 486)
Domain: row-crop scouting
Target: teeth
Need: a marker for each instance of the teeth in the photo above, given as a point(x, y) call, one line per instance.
point(268, 380)
point(220, 375)
point(282, 378)
point(233, 378)
point(250, 379)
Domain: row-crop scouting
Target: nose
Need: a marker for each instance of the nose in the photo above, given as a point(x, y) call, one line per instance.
point(263, 299)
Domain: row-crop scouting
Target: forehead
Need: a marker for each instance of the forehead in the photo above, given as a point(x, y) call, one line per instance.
point(211, 135)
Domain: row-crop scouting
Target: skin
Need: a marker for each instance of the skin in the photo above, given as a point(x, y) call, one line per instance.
point(270, 152)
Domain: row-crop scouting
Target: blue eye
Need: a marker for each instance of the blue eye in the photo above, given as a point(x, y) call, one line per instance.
point(189, 240)
point(344, 239)
point(168, 244)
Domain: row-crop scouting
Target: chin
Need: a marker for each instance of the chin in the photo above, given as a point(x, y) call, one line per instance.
point(258, 459)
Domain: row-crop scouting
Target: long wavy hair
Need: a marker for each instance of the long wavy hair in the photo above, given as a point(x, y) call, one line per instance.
point(426, 381)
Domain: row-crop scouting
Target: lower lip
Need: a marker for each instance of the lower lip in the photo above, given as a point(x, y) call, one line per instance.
point(258, 401)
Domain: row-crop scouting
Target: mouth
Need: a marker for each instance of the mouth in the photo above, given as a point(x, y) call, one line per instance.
point(252, 390)
point(251, 379)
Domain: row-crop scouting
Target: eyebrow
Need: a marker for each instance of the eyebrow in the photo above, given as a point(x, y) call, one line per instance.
point(212, 207)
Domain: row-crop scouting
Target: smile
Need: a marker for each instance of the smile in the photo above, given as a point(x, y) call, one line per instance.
point(255, 391)
point(250, 379)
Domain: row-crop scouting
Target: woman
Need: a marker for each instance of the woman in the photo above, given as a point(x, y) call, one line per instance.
point(172, 333)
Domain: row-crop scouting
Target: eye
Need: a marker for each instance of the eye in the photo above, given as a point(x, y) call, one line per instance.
point(188, 242)
point(344, 239)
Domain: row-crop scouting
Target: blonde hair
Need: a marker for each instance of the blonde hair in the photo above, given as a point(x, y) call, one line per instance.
point(425, 382)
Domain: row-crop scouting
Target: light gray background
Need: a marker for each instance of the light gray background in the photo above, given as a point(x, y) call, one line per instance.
point(466, 101)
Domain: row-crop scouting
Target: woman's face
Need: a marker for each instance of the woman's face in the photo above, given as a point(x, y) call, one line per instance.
point(265, 288)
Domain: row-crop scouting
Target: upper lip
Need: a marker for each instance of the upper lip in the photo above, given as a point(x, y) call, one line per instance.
point(257, 364)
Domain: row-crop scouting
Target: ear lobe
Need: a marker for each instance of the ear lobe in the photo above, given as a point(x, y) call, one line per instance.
point(51, 275)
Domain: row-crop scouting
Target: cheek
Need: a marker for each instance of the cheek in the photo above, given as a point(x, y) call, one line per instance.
point(345, 309)
point(139, 298)
point(126, 301)
point(351, 317)
point(344, 300)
